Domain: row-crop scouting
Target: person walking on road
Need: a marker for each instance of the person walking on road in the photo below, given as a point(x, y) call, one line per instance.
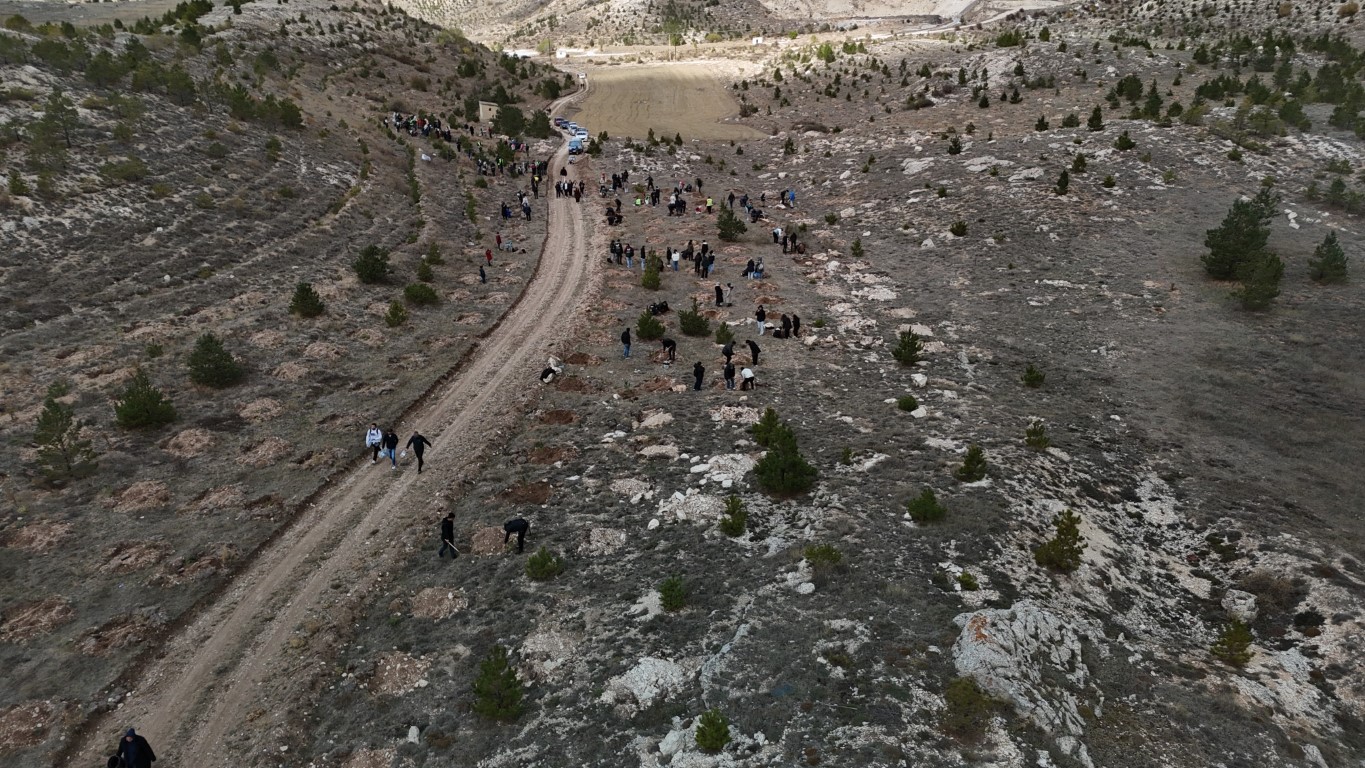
point(373, 438)
point(448, 537)
point(390, 448)
point(698, 373)
point(134, 751)
point(520, 527)
point(418, 445)
point(625, 342)
point(753, 350)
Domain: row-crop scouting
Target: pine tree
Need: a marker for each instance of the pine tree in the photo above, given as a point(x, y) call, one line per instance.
point(692, 322)
point(1063, 182)
point(1233, 646)
point(783, 471)
point(955, 145)
point(973, 465)
point(1151, 108)
point(736, 517)
point(372, 265)
point(211, 365)
point(1078, 164)
point(1042, 124)
point(648, 327)
point(908, 349)
point(1329, 261)
point(1034, 378)
point(1035, 436)
point(61, 450)
point(1124, 142)
point(1239, 239)
point(925, 508)
point(141, 405)
point(672, 594)
point(652, 277)
point(729, 225)
point(497, 691)
point(856, 250)
point(1260, 281)
point(765, 427)
point(397, 314)
point(1063, 551)
point(723, 334)
point(306, 301)
point(713, 731)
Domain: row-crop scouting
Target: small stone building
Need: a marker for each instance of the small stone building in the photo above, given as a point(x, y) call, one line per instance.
point(488, 111)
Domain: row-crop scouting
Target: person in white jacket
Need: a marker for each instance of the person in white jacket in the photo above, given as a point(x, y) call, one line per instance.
point(373, 438)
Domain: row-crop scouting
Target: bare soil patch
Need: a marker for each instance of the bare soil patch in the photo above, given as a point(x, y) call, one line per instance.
point(29, 620)
point(190, 443)
point(436, 604)
point(527, 493)
point(679, 98)
point(488, 541)
point(24, 725)
point(38, 537)
point(583, 358)
point(143, 495)
point(573, 384)
point(129, 556)
point(120, 632)
point(558, 416)
point(549, 454)
point(397, 673)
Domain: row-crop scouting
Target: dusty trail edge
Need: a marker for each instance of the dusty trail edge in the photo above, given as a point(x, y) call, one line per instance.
point(190, 698)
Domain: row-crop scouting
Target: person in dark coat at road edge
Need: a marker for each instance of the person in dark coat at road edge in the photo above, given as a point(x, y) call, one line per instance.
point(135, 751)
point(448, 536)
point(417, 444)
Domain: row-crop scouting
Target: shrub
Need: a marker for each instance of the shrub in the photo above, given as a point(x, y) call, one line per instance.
point(62, 453)
point(736, 517)
point(1233, 646)
point(925, 508)
point(142, 406)
point(955, 145)
point(766, 427)
point(1078, 164)
point(1260, 281)
point(648, 327)
point(127, 169)
point(783, 471)
point(973, 465)
point(372, 265)
point(1096, 121)
point(831, 218)
point(424, 272)
point(397, 314)
point(1124, 142)
point(433, 256)
point(713, 731)
point(693, 322)
point(1063, 551)
point(497, 691)
point(1042, 124)
point(306, 301)
point(1034, 378)
point(1108, 182)
point(729, 225)
point(1329, 261)
point(723, 334)
point(823, 555)
point(908, 348)
point(959, 227)
point(967, 582)
point(856, 250)
point(907, 403)
point(211, 365)
point(969, 710)
point(1035, 436)
point(672, 594)
point(1072, 120)
point(1063, 183)
point(420, 294)
point(544, 565)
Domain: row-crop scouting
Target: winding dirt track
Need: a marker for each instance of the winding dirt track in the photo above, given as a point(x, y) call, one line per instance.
point(211, 674)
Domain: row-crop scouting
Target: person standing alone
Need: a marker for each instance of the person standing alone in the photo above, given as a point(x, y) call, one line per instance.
point(134, 751)
point(625, 342)
point(448, 537)
point(698, 373)
point(417, 444)
point(760, 318)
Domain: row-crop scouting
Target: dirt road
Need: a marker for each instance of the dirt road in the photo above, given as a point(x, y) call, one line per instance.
point(211, 674)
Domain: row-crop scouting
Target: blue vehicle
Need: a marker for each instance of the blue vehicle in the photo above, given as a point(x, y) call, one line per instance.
point(575, 146)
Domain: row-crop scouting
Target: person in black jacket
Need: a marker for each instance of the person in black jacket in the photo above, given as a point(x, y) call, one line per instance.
point(625, 342)
point(390, 446)
point(671, 347)
point(448, 536)
point(698, 373)
point(759, 319)
point(417, 444)
point(728, 350)
point(729, 375)
point(520, 527)
point(135, 751)
point(753, 350)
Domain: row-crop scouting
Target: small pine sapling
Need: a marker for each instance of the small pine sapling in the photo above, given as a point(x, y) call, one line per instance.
point(713, 731)
point(925, 508)
point(672, 594)
point(1034, 378)
point(1233, 646)
point(736, 517)
point(497, 691)
point(211, 365)
point(1063, 551)
point(306, 301)
point(1329, 261)
point(973, 465)
point(397, 314)
point(1035, 436)
point(908, 349)
point(544, 565)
